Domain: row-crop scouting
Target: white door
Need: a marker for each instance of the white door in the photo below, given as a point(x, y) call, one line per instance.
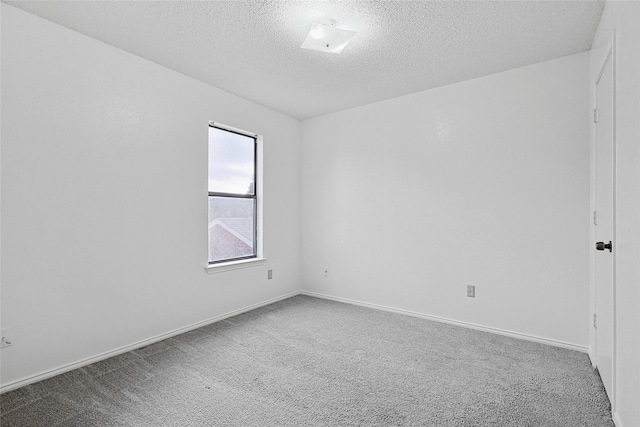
point(604, 229)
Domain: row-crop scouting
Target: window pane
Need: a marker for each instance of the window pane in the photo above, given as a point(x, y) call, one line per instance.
point(231, 162)
point(232, 228)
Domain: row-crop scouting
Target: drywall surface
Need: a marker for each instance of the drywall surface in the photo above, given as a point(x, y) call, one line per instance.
point(104, 208)
point(484, 182)
point(260, 40)
point(624, 19)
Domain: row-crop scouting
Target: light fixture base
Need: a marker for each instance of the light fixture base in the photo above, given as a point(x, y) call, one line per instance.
point(327, 38)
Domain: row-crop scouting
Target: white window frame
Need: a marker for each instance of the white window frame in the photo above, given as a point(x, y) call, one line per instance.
point(259, 258)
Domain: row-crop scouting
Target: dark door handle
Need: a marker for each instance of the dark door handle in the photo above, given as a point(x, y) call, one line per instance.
point(601, 246)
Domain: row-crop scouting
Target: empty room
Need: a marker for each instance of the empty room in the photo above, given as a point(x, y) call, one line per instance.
point(320, 213)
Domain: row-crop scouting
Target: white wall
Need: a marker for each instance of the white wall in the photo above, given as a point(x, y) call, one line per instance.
point(483, 182)
point(104, 210)
point(624, 18)
point(406, 201)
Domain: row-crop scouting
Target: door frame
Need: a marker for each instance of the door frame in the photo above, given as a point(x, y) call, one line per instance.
point(605, 55)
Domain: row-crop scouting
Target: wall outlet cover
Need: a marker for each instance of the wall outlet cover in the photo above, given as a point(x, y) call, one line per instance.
point(471, 291)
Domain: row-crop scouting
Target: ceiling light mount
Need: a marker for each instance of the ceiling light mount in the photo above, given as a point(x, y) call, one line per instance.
point(325, 37)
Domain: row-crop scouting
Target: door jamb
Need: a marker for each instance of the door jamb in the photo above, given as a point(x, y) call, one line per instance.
point(610, 55)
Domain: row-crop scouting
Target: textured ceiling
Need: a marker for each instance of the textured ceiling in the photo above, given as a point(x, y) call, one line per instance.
point(252, 48)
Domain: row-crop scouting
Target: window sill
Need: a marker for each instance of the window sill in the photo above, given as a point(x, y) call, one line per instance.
point(234, 265)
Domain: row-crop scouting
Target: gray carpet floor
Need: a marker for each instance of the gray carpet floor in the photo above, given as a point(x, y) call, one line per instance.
point(310, 362)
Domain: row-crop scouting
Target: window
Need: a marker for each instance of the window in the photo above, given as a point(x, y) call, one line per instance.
point(234, 194)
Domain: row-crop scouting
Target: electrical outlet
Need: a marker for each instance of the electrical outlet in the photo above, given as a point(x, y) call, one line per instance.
point(471, 291)
point(7, 338)
point(326, 272)
point(269, 274)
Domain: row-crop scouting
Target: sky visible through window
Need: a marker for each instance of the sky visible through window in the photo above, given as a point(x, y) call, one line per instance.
point(231, 161)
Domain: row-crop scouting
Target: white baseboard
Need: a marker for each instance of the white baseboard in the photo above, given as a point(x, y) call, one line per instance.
point(616, 420)
point(498, 331)
point(84, 362)
point(592, 357)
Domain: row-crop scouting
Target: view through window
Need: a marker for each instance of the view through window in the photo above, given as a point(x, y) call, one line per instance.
point(232, 195)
